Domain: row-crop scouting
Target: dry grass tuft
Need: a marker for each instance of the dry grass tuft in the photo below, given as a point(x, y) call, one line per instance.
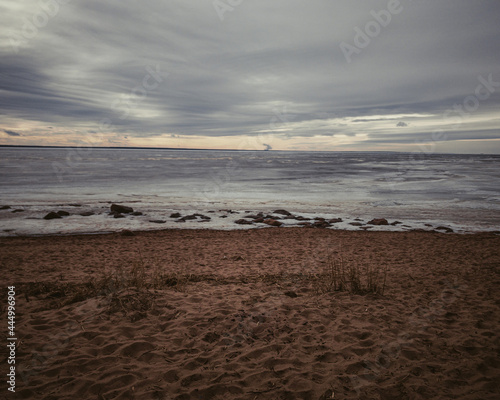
point(125, 289)
point(134, 289)
point(337, 276)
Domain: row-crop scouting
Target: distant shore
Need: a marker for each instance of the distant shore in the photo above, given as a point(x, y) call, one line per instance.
point(240, 150)
point(118, 148)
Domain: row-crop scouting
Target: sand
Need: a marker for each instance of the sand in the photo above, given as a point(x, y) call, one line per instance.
point(203, 314)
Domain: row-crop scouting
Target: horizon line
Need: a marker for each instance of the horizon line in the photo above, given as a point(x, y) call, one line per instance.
point(200, 149)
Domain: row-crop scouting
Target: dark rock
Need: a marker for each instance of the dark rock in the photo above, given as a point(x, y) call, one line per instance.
point(136, 213)
point(5, 208)
point(63, 213)
point(117, 208)
point(127, 232)
point(396, 223)
point(356, 223)
point(282, 212)
point(86, 214)
point(180, 220)
point(74, 205)
point(175, 215)
point(52, 215)
point(320, 224)
point(301, 218)
point(335, 220)
point(243, 222)
point(202, 216)
point(229, 211)
point(289, 217)
point(272, 222)
point(378, 221)
point(251, 216)
point(358, 219)
point(291, 294)
point(18, 210)
point(258, 220)
point(157, 221)
point(118, 215)
point(319, 219)
point(272, 217)
point(444, 228)
point(223, 216)
point(429, 225)
point(188, 217)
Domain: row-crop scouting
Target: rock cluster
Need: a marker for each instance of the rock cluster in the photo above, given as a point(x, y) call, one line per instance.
point(378, 221)
point(52, 215)
point(444, 228)
point(117, 211)
point(192, 217)
point(56, 215)
point(274, 220)
point(118, 208)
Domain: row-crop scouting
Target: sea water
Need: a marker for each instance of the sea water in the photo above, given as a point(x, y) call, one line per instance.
point(420, 190)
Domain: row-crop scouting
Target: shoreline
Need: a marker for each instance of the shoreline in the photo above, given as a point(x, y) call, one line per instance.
point(128, 232)
point(88, 219)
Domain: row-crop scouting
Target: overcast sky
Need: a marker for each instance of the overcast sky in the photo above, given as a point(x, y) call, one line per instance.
point(395, 75)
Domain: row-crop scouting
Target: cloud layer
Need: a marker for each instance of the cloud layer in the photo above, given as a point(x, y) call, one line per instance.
point(247, 74)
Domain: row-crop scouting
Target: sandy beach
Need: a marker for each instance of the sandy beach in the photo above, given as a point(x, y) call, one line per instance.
point(252, 314)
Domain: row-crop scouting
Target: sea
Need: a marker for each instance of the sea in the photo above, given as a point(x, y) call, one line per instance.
point(410, 190)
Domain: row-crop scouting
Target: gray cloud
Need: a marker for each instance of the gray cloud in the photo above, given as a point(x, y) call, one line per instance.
point(11, 133)
point(227, 78)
